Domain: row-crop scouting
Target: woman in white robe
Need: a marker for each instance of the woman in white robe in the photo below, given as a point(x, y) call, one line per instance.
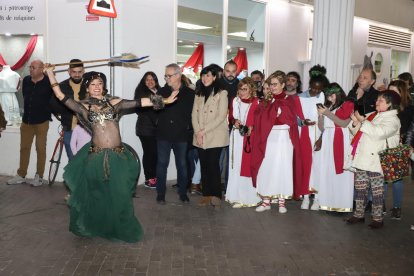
point(336, 185)
point(240, 191)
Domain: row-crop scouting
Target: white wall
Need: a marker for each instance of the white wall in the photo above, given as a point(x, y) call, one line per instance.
point(256, 23)
point(212, 54)
point(288, 30)
point(255, 59)
point(359, 40)
point(395, 12)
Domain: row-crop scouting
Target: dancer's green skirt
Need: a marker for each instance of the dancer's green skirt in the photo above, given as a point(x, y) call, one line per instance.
point(101, 187)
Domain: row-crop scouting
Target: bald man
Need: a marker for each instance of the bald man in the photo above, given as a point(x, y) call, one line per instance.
point(36, 116)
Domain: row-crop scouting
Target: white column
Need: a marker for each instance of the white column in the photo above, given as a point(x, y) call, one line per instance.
point(332, 39)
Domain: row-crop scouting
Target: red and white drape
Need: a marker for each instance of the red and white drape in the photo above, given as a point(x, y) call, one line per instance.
point(241, 60)
point(196, 59)
point(26, 56)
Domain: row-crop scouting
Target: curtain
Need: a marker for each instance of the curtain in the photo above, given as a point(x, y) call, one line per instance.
point(241, 60)
point(26, 56)
point(196, 59)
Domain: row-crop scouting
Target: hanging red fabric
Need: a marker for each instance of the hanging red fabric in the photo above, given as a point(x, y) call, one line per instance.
point(241, 60)
point(26, 56)
point(196, 59)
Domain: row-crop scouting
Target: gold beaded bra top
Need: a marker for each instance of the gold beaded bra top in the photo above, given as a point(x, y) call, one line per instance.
point(106, 111)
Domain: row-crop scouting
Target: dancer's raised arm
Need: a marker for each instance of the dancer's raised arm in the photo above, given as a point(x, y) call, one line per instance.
point(48, 70)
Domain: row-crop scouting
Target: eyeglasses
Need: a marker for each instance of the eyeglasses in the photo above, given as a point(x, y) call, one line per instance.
point(169, 76)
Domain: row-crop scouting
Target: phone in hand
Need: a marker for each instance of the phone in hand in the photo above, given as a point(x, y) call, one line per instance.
point(319, 105)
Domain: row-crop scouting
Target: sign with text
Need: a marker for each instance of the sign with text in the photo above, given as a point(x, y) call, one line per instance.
point(22, 16)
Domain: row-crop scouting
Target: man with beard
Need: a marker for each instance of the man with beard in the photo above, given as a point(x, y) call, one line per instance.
point(229, 80)
point(293, 84)
point(74, 88)
point(258, 79)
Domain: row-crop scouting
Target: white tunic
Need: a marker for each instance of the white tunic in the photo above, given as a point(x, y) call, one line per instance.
point(275, 176)
point(239, 188)
point(310, 112)
point(336, 191)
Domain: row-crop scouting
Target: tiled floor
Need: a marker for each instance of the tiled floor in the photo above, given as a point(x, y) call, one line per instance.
point(190, 240)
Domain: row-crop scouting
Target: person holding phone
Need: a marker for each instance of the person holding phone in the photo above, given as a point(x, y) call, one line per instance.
point(310, 134)
point(336, 186)
point(372, 134)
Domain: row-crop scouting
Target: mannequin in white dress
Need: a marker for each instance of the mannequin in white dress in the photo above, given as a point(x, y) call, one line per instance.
point(9, 84)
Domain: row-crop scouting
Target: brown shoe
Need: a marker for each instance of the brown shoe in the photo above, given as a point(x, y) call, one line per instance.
point(376, 224)
point(215, 201)
point(354, 220)
point(196, 189)
point(204, 201)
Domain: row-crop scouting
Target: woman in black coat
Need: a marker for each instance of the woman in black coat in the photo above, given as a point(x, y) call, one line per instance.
point(145, 127)
point(405, 115)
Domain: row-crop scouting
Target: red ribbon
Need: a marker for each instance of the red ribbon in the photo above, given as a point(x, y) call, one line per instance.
point(26, 56)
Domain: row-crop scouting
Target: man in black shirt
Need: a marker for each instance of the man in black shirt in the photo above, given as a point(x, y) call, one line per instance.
point(229, 80)
point(363, 93)
point(36, 116)
point(174, 130)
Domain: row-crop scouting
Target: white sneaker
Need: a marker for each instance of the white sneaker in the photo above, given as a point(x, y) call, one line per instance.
point(37, 181)
point(237, 205)
point(262, 208)
point(315, 205)
point(16, 180)
point(282, 210)
point(305, 203)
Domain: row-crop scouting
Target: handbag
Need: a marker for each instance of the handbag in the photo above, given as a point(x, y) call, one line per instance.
point(395, 162)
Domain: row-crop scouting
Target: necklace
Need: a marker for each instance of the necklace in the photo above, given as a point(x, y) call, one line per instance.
point(243, 120)
point(95, 101)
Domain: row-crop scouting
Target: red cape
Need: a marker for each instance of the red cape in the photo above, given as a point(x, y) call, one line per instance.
point(264, 120)
point(246, 156)
point(343, 113)
point(305, 150)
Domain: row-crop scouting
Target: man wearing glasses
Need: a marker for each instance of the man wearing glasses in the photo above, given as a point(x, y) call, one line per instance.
point(36, 116)
point(174, 130)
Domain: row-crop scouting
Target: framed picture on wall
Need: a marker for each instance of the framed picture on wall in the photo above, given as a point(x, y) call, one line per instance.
point(102, 8)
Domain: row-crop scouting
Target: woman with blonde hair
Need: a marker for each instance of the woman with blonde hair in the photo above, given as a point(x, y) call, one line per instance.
point(275, 161)
point(240, 191)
